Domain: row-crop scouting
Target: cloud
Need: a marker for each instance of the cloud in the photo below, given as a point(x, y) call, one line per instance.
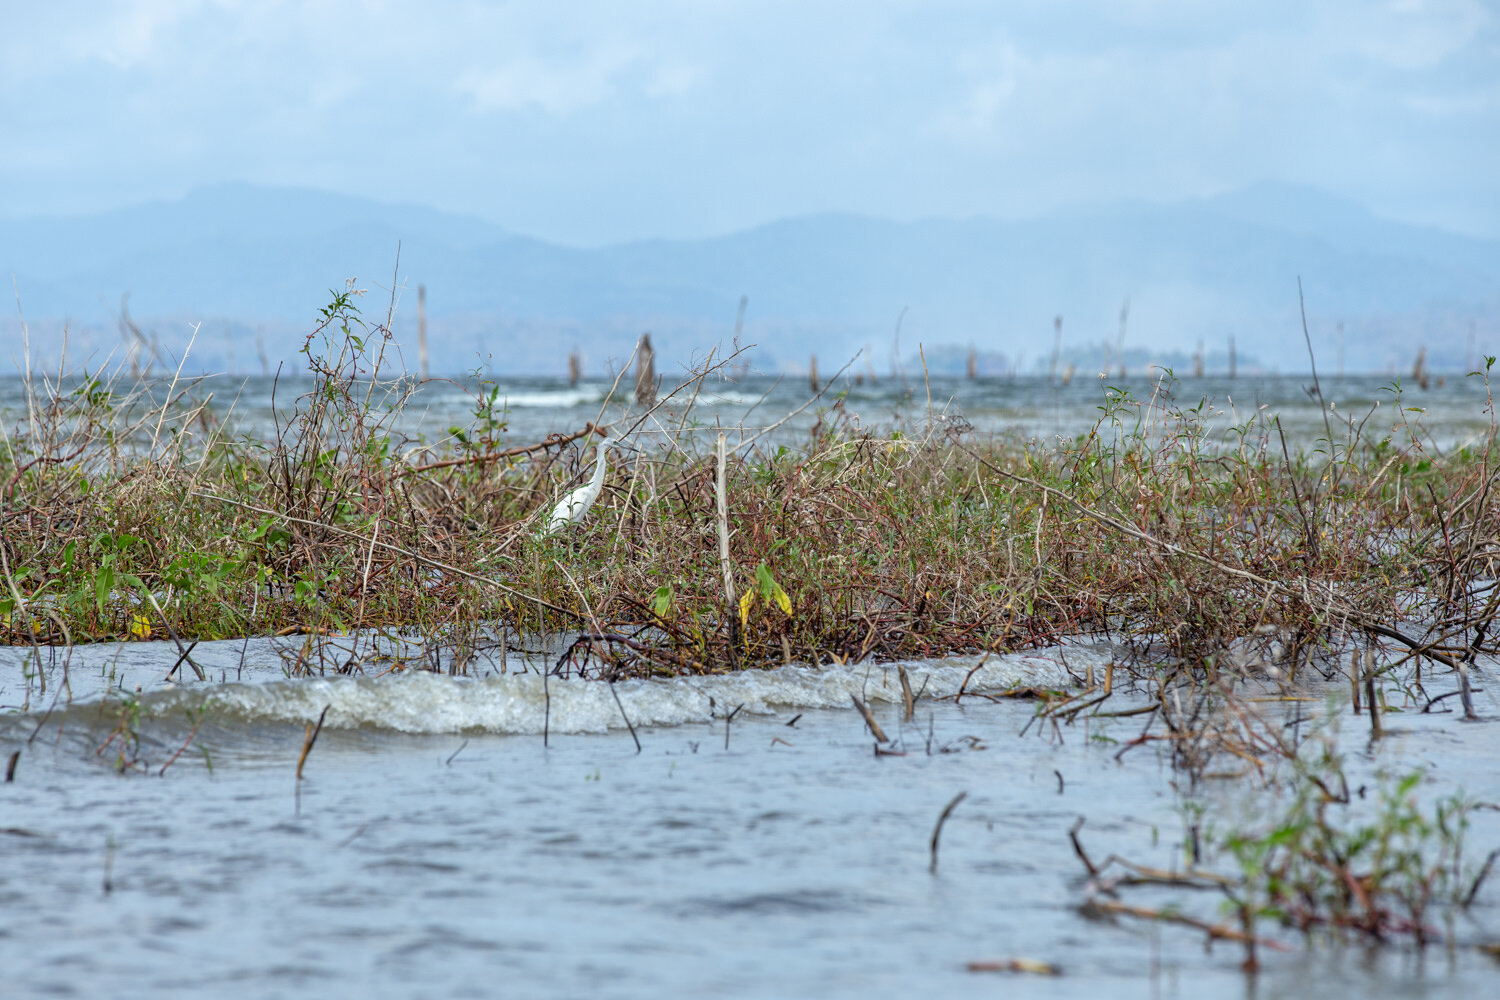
point(991, 75)
point(596, 120)
point(561, 85)
point(672, 80)
point(1416, 34)
point(1462, 104)
point(47, 38)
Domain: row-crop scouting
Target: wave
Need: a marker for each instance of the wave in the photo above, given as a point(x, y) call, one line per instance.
point(556, 398)
point(728, 397)
point(517, 703)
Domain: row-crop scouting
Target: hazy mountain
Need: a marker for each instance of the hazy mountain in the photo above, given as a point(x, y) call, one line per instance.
point(250, 261)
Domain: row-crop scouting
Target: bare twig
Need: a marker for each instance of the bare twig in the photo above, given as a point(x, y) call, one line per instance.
point(869, 717)
point(310, 738)
point(937, 831)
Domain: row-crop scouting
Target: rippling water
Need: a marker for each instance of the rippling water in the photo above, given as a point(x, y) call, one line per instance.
point(530, 408)
point(437, 847)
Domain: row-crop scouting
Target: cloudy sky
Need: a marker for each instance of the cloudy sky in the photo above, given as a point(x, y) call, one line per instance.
point(591, 122)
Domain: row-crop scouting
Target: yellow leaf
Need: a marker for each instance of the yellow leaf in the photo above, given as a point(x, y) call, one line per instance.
point(140, 626)
point(745, 603)
point(784, 601)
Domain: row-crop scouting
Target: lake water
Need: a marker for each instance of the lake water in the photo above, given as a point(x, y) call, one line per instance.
point(436, 846)
point(1449, 413)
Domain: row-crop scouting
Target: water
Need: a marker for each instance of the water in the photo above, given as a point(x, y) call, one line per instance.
point(1451, 413)
point(437, 847)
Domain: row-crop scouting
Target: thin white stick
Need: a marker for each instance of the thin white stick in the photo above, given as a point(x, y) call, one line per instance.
point(173, 387)
point(723, 504)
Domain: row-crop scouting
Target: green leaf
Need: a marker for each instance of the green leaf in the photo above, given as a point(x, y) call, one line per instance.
point(104, 581)
point(770, 590)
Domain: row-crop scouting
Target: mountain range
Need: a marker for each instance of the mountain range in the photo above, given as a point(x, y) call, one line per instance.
point(254, 264)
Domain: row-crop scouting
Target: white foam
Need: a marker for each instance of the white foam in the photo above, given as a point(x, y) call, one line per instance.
point(434, 703)
point(728, 397)
point(559, 398)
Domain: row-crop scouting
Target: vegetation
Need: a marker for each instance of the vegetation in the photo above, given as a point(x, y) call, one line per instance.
point(128, 514)
point(1318, 855)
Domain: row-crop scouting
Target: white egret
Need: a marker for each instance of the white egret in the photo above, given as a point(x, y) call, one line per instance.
point(574, 507)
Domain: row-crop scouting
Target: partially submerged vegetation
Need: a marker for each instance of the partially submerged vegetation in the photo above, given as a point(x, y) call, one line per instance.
point(1311, 848)
point(1213, 557)
point(126, 514)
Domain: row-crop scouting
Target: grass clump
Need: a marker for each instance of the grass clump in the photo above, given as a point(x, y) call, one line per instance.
point(129, 511)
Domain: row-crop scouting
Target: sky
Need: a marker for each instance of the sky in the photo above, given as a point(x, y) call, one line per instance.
point(588, 123)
